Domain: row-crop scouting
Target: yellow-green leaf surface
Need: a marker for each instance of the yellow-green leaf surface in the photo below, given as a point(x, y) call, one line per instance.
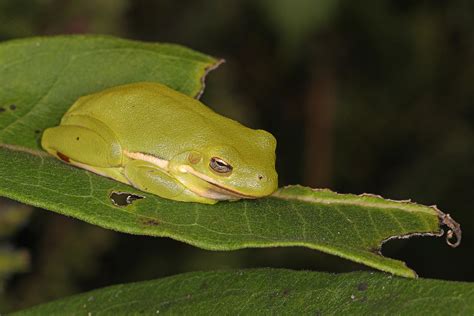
point(349, 226)
point(271, 292)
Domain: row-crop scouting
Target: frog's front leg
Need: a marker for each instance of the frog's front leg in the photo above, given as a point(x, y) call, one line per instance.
point(148, 177)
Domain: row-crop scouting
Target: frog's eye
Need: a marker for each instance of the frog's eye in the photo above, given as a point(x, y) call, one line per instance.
point(220, 166)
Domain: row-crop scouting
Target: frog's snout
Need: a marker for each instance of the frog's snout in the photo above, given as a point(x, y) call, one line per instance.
point(262, 178)
point(266, 182)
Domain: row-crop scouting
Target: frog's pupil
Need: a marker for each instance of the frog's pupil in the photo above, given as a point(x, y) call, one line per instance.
point(219, 165)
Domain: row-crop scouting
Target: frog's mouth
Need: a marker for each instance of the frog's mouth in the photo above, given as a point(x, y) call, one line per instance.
point(215, 190)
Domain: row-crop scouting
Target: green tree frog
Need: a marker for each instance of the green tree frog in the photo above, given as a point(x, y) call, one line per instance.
point(164, 142)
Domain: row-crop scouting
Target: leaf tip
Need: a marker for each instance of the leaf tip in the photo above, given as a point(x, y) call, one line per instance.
point(207, 70)
point(454, 233)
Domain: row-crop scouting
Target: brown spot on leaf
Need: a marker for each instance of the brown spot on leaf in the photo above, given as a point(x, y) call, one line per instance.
point(151, 222)
point(124, 198)
point(362, 286)
point(12, 107)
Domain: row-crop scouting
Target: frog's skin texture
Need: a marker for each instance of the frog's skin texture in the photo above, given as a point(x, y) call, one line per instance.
point(166, 143)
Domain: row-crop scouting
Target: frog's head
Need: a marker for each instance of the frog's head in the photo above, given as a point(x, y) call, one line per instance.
point(236, 170)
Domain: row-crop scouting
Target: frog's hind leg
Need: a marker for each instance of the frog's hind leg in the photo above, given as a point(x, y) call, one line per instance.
point(86, 143)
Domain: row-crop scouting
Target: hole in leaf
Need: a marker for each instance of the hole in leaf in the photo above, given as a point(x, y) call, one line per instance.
point(124, 198)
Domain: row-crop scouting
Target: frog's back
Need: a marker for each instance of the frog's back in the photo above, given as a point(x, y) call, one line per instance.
point(153, 116)
point(110, 104)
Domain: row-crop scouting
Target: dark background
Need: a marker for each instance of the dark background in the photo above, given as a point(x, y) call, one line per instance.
point(362, 96)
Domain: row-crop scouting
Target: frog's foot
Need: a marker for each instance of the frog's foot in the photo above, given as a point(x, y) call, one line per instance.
point(147, 177)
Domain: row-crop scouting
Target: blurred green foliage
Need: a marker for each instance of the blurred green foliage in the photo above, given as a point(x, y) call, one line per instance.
point(13, 216)
point(373, 96)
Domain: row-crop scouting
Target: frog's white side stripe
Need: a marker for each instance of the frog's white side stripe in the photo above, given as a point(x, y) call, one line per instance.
point(161, 163)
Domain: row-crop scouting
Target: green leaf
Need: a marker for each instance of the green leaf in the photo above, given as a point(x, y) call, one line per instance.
point(349, 226)
point(40, 78)
point(345, 225)
point(270, 292)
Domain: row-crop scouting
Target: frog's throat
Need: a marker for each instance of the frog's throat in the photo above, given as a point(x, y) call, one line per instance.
point(164, 164)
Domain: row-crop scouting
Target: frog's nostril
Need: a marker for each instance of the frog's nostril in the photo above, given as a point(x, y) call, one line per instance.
point(260, 177)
